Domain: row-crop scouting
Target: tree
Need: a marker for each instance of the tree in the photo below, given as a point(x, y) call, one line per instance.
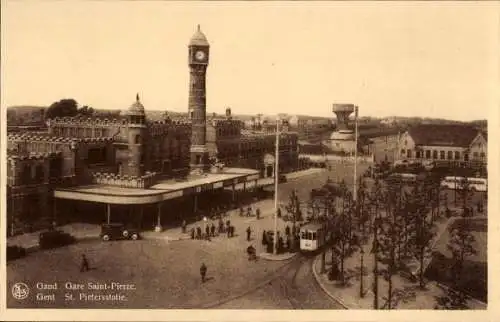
point(293, 207)
point(461, 245)
point(343, 242)
point(452, 300)
point(391, 228)
point(64, 107)
point(86, 110)
point(67, 107)
point(465, 194)
point(421, 235)
point(376, 201)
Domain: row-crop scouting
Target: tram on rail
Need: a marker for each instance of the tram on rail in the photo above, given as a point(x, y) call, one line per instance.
point(313, 236)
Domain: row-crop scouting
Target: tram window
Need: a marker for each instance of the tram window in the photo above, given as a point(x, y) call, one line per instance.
point(303, 235)
point(313, 236)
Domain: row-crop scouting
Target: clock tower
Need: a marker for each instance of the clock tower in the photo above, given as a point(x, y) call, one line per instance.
point(198, 63)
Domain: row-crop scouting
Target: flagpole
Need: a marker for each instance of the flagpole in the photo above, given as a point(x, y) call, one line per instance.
point(276, 177)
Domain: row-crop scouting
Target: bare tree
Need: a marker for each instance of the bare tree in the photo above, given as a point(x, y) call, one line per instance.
point(462, 245)
point(376, 202)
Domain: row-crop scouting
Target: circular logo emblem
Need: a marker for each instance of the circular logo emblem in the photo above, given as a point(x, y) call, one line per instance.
point(20, 291)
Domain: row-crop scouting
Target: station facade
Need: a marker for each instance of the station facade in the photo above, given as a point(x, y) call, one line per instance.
point(138, 163)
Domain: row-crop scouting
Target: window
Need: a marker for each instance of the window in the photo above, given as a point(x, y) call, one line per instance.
point(483, 155)
point(441, 155)
point(434, 154)
point(475, 155)
point(408, 153)
point(457, 155)
point(137, 139)
point(427, 154)
point(450, 155)
point(403, 152)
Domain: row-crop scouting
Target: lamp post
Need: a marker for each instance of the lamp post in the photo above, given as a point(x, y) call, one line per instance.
point(276, 176)
point(361, 287)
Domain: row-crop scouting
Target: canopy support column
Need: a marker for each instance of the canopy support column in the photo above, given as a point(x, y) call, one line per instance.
point(108, 220)
point(158, 220)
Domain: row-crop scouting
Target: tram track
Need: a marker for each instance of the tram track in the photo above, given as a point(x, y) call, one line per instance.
point(294, 283)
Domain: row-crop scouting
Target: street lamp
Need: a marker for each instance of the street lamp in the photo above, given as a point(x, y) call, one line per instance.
point(361, 288)
point(276, 176)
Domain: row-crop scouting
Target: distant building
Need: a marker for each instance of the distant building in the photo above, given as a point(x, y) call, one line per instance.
point(450, 143)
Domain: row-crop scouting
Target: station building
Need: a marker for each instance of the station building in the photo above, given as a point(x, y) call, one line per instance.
point(134, 169)
point(447, 144)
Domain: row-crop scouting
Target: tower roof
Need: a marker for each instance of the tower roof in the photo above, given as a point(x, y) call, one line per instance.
point(199, 38)
point(136, 107)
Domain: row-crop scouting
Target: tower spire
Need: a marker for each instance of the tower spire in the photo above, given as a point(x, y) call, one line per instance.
point(199, 28)
point(137, 97)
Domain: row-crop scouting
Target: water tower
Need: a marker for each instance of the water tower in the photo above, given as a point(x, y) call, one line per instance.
point(343, 139)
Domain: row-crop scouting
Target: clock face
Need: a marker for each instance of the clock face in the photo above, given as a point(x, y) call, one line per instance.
point(200, 55)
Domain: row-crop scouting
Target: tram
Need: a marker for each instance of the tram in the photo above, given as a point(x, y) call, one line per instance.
point(313, 236)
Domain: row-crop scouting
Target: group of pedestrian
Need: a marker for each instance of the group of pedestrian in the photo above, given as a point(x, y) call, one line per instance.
point(249, 212)
point(284, 243)
point(211, 230)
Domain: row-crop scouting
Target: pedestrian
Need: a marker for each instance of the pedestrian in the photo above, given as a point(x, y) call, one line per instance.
point(257, 213)
point(184, 226)
point(198, 232)
point(242, 212)
point(228, 230)
point(287, 230)
point(280, 245)
point(249, 232)
point(212, 230)
point(85, 264)
point(231, 228)
point(207, 230)
point(279, 213)
point(203, 272)
point(228, 223)
point(249, 212)
point(221, 227)
point(192, 233)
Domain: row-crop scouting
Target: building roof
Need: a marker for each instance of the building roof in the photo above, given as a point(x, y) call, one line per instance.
point(443, 134)
point(199, 38)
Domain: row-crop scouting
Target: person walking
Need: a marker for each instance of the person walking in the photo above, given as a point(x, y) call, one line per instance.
point(192, 233)
point(249, 212)
point(85, 264)
point(212, 230)
point(249, 232)
point(207, 231)
point(203, 272)
point(184, 226)
point(257, 213)
point(198, 232)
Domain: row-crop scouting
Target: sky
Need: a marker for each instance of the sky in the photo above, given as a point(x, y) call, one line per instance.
point(426, 59)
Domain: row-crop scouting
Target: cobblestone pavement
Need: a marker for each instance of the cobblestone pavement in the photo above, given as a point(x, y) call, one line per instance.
point(294, 288)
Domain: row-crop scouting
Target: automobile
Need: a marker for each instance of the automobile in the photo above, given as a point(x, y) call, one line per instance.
point(116, 231)
point(54, 238)
point(15, 252)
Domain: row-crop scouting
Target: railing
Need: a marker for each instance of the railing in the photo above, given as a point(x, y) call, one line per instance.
point(124, 181)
